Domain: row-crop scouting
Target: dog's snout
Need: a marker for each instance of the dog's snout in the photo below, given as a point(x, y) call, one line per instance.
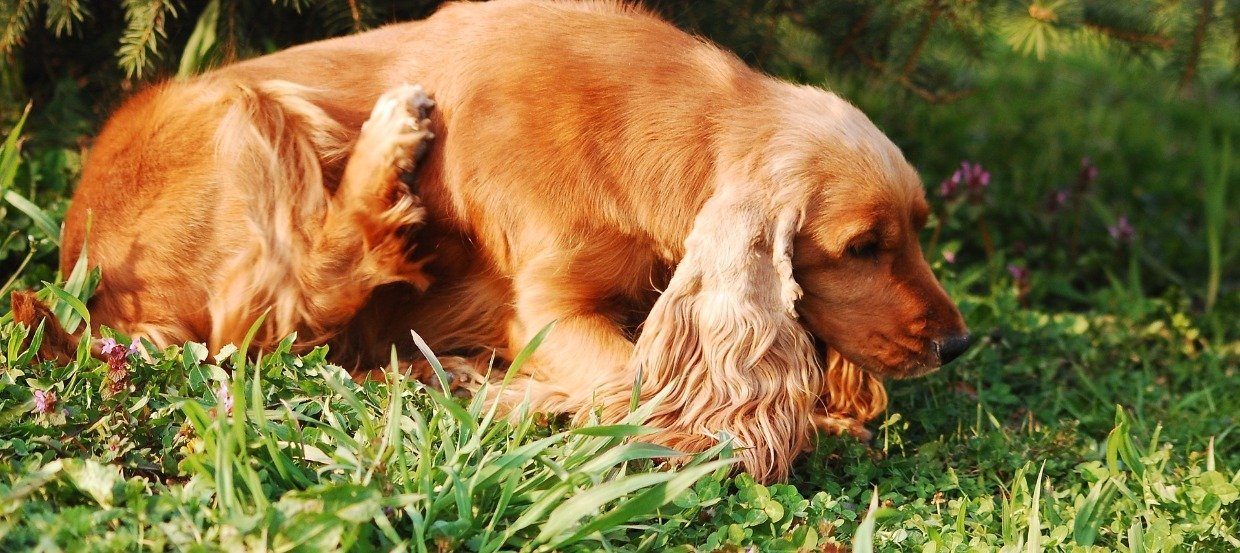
point(953, 347)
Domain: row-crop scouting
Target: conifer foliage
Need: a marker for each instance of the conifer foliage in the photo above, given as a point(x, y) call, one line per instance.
point(919, 44)
point(926, 45)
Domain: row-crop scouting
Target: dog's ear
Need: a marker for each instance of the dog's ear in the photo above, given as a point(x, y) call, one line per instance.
point(724, 337)
point(57, 344)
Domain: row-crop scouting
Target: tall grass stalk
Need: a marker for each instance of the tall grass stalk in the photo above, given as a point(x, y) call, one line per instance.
point(1216, 161)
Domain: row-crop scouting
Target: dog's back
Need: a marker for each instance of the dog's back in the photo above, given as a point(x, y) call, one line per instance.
point(576, 86)
point(579, 85)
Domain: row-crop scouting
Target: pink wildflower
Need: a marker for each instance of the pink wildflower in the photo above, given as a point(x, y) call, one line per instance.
point(1122, 230)
point(108, 346)
point(949, 186)
point(116, 356)
point(1057, 199)
point(970, 177)
point(1019, 274)
point(1087, 175)
point(224, 398)
point(44, 401)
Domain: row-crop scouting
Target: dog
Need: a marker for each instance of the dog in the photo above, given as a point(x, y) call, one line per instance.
point(742, 246)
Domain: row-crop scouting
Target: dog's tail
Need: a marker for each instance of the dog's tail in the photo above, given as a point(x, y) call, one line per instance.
point(57, 345)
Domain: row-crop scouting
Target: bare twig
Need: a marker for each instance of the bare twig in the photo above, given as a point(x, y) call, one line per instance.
point(911, 62)
point(357, 16)
point(1160, 41)
point(853, 33)
point(907, 83)
point(1199, 38)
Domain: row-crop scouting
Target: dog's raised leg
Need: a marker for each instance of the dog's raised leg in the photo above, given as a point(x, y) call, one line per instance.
point(319, 256)
point(373, 211)
point(364, 240)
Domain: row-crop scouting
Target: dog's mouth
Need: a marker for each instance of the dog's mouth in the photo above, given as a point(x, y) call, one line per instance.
point(914, 370)
point(915, 363)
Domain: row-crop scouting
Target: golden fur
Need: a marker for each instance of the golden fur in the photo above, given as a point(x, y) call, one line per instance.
point(745, 243)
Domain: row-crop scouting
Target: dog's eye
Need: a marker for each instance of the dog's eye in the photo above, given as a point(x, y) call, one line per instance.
point(864, 250)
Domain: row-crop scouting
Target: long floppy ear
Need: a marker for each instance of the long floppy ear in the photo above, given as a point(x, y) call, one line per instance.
point(851, 398)
point(724, 338)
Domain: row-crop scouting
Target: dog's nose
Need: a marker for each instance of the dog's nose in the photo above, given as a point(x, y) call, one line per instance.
point(951, 348)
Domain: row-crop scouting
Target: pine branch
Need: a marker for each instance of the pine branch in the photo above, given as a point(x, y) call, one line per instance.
point(339, 18)
point(16, 16)
point(908, 84)
point(854, 32)
point(1133, 37)
point(143, 34)
point(357, 16)
point(911, 62)
point(63, 15)
point(297, 5)
point(1199, 38)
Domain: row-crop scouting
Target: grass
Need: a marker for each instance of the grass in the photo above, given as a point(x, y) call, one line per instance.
point(288, 453)
point(1068, 431)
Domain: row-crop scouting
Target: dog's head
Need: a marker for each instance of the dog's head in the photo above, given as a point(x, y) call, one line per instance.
point(867, 291)
point(811, 234)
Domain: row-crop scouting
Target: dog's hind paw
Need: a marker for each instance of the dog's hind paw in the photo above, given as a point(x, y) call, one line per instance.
point(382, 168)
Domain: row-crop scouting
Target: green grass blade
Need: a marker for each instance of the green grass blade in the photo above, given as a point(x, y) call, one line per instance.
point(526, 352)
point(587, 503)
point(1033, 542)
point(614, 431)
point(661, 492)
point(436, 366)
point(10, 151)
point(1136, 536)
point(863, 540)
point(1216, 183)
point(75, 306)
point(514, 459)
point(625, 453)
point(198, 49)
point(80, 284)
point(41, 219)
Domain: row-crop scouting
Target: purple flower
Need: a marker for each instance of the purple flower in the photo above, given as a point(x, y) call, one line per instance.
point(117, 357)
point(1122, 230)
point(1019, 274)
point(977, 177)
point(44, 402)
point(949, 187)
point(224, 398)
point(949, 256)
point(1057, 199)
point(970, 177)
point(1087, 175)
point(108, 346)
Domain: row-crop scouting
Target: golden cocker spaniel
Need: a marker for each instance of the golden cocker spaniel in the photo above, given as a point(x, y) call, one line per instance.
point(745, 245)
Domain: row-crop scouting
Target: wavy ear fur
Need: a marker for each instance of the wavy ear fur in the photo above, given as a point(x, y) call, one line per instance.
point(851, 398)
point(724, 338)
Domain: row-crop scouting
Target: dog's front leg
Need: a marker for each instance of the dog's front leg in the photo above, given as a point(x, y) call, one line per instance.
point(585, 349)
